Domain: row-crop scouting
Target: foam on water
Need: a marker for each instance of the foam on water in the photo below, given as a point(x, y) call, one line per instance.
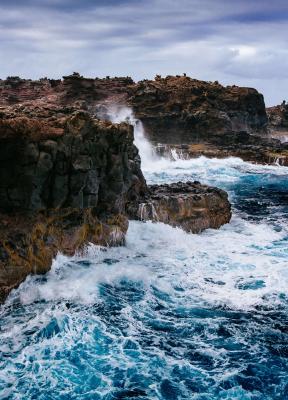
point(167, 316)
point(118, 114)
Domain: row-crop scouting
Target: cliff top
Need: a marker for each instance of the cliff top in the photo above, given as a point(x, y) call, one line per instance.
point(41, 123)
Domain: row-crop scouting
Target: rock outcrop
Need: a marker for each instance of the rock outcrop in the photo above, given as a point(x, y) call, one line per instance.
point(191, 206)
point(68, 178)
point(65, 180)
point(247, 147)
point(176, 110)
point(202, 118)
point(278, 121)
point(72, 90)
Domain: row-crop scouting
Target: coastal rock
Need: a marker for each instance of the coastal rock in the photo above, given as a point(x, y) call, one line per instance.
point(204, 118)
point(29, 242)
point(65, 180)
point(68, 179)
point(177, 110)
point(191, 206)
point(278, 121)
point(247, 147)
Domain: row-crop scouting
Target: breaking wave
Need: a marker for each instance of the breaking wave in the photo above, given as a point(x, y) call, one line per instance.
point(168, 316)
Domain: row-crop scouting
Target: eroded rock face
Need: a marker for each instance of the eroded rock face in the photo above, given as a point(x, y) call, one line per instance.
point(68, 178)
point(247, 147)
point(72, 90)
point(202, 118)
point(278, 121)
point(278, 116)
point(177, 110)
point(65, 179)
point(191, 206)
point(29, 242)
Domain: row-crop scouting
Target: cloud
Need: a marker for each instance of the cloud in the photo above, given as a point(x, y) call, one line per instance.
point(241, 42)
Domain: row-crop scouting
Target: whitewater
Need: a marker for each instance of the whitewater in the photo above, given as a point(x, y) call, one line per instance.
point(170, 315)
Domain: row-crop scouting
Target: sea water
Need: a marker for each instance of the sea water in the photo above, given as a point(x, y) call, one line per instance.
point(170, 315)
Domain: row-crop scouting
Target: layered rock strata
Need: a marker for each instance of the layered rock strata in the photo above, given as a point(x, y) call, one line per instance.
point(191, 206)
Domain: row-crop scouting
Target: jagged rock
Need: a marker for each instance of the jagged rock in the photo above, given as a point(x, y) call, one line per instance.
point(247, 147)
point(176, 110)
point(64, 182)
point(29, 242)
point(191, 206)
point(278, 121)
point(67, 178)
point(208, 119)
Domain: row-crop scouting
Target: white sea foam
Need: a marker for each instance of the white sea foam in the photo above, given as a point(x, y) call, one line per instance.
point(216, 267)
point(82, 316)
point(119, 114)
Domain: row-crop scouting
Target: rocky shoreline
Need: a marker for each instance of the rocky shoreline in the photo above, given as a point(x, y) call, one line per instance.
point(65, 180)
point(69, 178)
point(190, 205)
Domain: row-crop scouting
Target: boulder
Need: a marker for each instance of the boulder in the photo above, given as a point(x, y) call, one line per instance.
point(191, 206)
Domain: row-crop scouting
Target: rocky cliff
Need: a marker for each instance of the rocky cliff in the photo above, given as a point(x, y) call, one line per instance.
point(278, 116)
point(184, 110)
point(73, 90)
point(278, 121)
point(69, 179)
point(203, 118)
point(65, 180)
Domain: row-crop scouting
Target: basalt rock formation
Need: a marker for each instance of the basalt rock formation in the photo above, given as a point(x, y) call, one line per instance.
point(247, 147)
point(201, 118)
point(278, 121)
point(65, 180)
point(72, 90)
point(68, 178)
point(191, 206)
point(210, 119)
point(176, 110)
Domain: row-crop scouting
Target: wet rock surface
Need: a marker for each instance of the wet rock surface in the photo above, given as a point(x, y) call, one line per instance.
point(190, 205)
point(247, 147)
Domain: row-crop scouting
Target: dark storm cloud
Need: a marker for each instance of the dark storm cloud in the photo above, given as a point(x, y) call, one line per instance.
point(242, 42)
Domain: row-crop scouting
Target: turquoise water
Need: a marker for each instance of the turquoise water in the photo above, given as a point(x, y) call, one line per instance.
point(168, 316)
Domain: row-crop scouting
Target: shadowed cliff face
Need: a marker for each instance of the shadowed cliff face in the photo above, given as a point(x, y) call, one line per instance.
point(65, 180)
point(181, 110)
point(68, 161)
point(68, 178)
point(278, 122)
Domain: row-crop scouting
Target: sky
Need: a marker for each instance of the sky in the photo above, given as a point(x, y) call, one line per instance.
point(242, 42)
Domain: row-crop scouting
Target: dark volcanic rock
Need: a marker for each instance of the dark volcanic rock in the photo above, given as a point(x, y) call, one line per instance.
point(278, 116)
point(68, 178)
point(177, 110)
point(208, 119)
point(247, 147)
point(65, 180)
point(71, 161)
point(278, 121)
point(191, 206)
